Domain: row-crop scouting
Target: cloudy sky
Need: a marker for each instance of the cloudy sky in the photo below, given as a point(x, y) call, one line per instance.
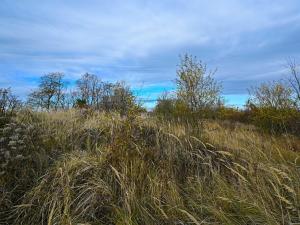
point(140, 41)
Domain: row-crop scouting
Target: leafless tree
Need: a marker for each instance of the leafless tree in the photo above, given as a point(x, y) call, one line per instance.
point(294, 79)
point(195, 85)
point(50, 93)
point(90, 87)
point(103, 95)
point(9, 103)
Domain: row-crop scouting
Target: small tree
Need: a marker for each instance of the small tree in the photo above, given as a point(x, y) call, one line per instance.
point(195, 85)
point(9, 103)
point(50, 93)
point(274, 95)
point(272, 108)
point(294, 80)
point(92, 92)
point(90, 89)
point(121, 99)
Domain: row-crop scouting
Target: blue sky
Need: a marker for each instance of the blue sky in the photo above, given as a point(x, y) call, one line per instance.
point(140, 41)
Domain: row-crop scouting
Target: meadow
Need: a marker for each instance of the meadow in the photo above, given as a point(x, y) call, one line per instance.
point(81, 166)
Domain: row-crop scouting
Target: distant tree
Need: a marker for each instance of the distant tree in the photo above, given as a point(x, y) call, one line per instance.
point(294, 80)
point(9, 102)
point(90, 89)
point(50, 93)
point(122, 98)
point(94, 93)
point(195, 85)
point(106, 98)
point(274, 95)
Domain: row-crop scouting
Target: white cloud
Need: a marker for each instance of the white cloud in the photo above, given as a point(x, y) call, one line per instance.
point(77, 36)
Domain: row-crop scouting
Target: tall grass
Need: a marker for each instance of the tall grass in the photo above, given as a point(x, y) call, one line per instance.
point(95, 168)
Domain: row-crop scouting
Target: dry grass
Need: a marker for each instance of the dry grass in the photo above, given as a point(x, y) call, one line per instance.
point(102, 169)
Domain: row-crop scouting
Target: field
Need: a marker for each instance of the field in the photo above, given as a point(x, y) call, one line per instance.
point(84, 167)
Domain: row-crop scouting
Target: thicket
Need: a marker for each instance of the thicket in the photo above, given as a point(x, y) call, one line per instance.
point(90, 92)
point(273, 106)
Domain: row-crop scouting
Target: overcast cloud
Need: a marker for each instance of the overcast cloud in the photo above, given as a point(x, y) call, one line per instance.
point(140, 41)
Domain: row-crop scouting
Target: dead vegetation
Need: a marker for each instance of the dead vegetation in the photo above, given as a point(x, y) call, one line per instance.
point(99, 168)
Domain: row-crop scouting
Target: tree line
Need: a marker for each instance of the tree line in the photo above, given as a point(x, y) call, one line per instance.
point(52, 94)
point(273, 105)
point(197, 89)
point(197, 95)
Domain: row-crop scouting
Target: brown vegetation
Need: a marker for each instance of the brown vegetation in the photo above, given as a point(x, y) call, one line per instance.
point(97, 168)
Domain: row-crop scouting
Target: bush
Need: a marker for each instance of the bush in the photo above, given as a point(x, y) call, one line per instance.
point(23, 159)
point(175, 110)
point(233, 114)
point(276, 120)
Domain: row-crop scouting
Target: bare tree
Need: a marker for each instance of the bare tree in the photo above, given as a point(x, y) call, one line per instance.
point(9, 103)
point(106, 98)
point(90, 87)
point(294, 79)
point(92, 92)
point(50, 93)
point(195, 85)
point(272, 95)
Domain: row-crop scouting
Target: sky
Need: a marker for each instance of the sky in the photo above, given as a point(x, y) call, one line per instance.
point(139, 42)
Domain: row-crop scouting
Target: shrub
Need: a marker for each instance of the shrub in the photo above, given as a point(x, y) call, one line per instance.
point(232, 114)
point(277, 120)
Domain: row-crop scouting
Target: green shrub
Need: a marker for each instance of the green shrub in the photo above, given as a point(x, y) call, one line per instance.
point(277, 120)
point(233, 114)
